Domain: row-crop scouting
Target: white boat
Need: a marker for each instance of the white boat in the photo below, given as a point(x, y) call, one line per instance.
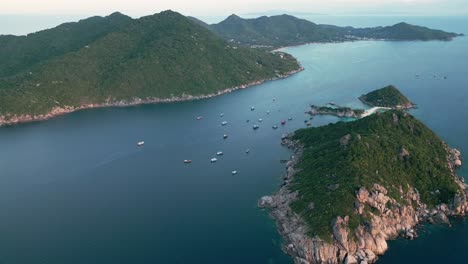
point(221, 115)
point(199, 117)
point(275, 127)
point(290, 118)
point(219, 153)
point(225, 136)
point(252, 108)
point(255, 127)
point(234, 172)
point(260, 120)
point(141, 143)
point(213, 160)
point(224, 123)
point(187, 161)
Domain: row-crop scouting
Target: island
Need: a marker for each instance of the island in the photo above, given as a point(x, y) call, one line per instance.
point(285, 30)
point(120, 61)
point(382, 99)
point(388, 96)
point(351, 186)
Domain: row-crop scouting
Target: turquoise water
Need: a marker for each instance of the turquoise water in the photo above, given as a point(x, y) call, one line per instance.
point(77, 189)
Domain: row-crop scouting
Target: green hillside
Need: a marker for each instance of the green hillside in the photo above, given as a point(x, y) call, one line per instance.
point(388, 96)
point(392, 149)
point(162, 55)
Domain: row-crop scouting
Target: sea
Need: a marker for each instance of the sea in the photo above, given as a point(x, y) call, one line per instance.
point(77, 189)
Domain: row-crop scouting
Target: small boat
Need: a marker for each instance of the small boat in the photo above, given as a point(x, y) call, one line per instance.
point(252, 108)
point(305, 121)
point(225, 136)
point(260, 120)
point(275, 127)
point(187, 161)
point(213, 160)
point(141, 143)
point(219, 153)
point(199, 117)
point(224, 123)
point(247, 151)
point(221, 115)
point(283, 122)
point(308, 123)
point(255, 127)
point(290, 118)
point(247, 121)
point(268, 112)
point(234, 172)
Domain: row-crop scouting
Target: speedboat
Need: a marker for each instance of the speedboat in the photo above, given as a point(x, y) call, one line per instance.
point(187, 161)
point(213, 160)
point(234, 172)
point(141, 143)
point(219, 153)
point(199, 117)
point(224, 123)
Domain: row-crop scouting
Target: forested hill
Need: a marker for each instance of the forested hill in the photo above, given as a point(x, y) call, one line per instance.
point(114, 58)
point(286, 30)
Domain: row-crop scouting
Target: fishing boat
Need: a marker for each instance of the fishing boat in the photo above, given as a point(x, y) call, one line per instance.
point(213, 160)
point(283, 122)
point(225, 136)
point(234, 172)
point(187, 161)
point(275, 127)
point(141, 143)
point(224, 123)
point(219, 153)
point(199, 117)
point(255, 127)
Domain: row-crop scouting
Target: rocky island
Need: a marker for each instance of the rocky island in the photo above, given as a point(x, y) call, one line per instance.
point(351, 186)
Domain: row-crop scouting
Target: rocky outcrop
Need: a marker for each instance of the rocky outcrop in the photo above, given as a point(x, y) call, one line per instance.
point(11, 119)
point(335, 111)
point(388, 218)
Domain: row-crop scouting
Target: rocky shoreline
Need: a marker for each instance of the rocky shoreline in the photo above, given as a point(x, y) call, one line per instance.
point(57, 111)
point(395, 219)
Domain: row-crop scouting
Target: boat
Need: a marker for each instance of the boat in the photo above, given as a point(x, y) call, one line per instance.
point(199, 117)
point(247, 120)
point(308, 123)
point(219, 153)
point(252, 108)
point(213, 160)
point(224, 123)
point(275, 127)
point(141, 143)
point(305, 121)
point(234, 172)
point(268, 112)
point(283, 122)
point(290, 118)
point(221, 115)
point(260, 120)
point(255, 127)
point(225, 136)
point(247, 151)
point(187, 161)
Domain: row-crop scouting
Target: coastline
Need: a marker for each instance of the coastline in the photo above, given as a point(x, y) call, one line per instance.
point(58, 111)
point(367, 242)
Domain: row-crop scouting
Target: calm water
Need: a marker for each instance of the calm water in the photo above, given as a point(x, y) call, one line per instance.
point(76, 189)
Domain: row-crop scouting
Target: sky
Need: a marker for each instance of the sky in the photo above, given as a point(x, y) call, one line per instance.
point(137, 8)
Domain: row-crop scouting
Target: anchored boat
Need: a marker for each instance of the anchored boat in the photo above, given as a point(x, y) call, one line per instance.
point(213, 160)
point(141, 143)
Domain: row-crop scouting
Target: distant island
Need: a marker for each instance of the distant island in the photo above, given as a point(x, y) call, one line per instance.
point(388, 96)
point(351, 186)
point(285, 30)
point(120, 61)
point(385, 98)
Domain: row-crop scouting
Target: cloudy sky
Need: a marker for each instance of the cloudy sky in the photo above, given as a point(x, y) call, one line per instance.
point(224, 7)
